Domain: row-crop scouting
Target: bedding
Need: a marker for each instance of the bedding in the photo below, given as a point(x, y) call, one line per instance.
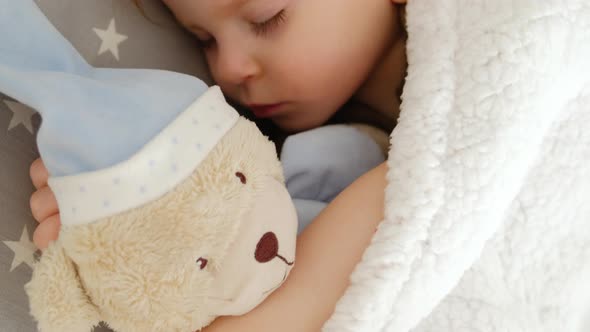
point(487, 221)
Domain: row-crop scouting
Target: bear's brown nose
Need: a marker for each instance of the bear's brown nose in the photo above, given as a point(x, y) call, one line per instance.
point(268, 248)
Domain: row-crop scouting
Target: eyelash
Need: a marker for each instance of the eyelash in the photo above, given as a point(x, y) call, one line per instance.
point(260, 29)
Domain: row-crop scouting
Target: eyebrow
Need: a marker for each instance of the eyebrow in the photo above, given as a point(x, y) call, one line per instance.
point(232, 3)
point(224, 3)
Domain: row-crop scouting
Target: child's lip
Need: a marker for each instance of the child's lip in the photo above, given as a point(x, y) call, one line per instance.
point(265, 110)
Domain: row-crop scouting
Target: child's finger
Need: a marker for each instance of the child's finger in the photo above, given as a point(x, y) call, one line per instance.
point(39, 174)
point(43, 204)
point(47, 232)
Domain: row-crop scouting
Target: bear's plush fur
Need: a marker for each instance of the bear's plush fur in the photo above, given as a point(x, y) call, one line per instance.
point(153, 268)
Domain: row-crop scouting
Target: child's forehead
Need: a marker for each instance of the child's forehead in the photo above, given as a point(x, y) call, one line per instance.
point(192, 13)
point(188, 8)
point(225, 3)
point(211, 3)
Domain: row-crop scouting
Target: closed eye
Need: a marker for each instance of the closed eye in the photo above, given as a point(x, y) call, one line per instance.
point(260, 29)
point(267, 26)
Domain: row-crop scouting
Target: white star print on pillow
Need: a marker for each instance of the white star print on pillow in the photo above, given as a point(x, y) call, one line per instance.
point(24, 250)
point(110, 39)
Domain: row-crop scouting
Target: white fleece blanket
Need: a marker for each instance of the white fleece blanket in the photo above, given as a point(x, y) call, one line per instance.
point(487, 221)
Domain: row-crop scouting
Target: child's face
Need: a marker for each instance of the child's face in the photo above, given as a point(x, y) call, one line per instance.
point(293, 61)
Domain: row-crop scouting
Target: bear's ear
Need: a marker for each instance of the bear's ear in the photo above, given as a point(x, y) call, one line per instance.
point(57, 299)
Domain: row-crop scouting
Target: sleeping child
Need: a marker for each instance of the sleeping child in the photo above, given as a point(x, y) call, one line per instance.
point(269, 67)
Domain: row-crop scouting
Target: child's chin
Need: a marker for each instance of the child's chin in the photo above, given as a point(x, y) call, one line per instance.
point(295, 124)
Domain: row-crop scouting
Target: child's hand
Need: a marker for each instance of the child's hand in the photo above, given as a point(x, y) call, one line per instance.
point(43, 207)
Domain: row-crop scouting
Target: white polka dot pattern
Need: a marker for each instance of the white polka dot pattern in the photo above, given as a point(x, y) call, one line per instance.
point(157, 168)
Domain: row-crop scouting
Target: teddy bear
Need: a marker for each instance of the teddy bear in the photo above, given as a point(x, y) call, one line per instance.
point(217, 244)
point(173, 207)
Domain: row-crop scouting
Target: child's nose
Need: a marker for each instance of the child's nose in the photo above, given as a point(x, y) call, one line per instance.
point(236, 66)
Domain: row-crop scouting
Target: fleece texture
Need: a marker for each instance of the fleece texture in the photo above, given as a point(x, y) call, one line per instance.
point(487, 221)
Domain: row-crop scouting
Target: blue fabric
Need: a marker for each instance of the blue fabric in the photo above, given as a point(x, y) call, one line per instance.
point(91, 118)
point(318, 164)
point(307, 211)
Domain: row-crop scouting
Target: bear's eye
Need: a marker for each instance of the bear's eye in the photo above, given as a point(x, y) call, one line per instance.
point(202, 262)
point(241, 176)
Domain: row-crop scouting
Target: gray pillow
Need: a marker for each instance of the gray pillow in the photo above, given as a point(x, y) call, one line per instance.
point(107, 34)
